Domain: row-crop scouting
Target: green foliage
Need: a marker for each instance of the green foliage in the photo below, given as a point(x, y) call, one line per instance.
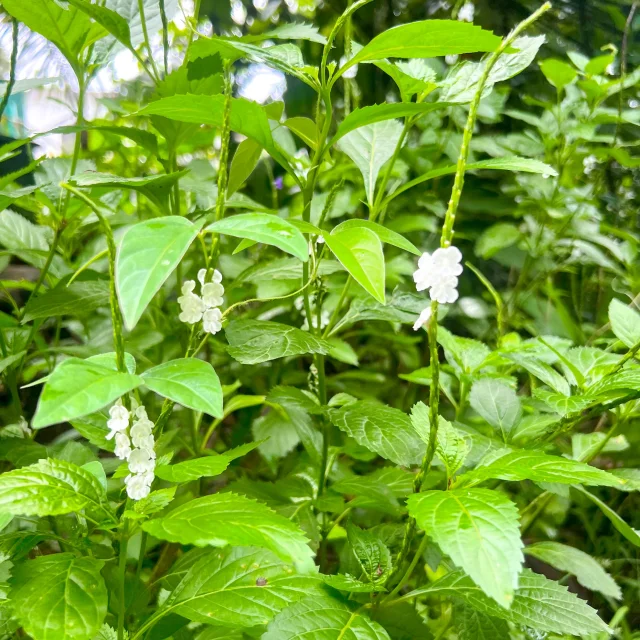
point(217, 421)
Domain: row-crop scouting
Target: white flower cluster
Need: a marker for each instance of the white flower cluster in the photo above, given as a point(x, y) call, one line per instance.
point(438, 272)
point(135, 445)
point(589, 163)
point(203, 307)
point(467, 11)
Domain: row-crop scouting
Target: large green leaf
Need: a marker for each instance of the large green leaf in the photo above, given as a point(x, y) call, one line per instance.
point(246, 117)
point(113, 22)
point(539, 467)
point(539, 603)
point(475, 625)
point(265, 228)
point(238, 587)
point(59, 597)
point(52, 487)
point(190, 382)
point(479, 530)
point(586, 569)
point(323, 618)
point(66, 27)
point(226, 518)
point(381, 429)
point(206, 466)
point(148, 253)
point(379, 112)
point(359, 250)
point(255, 341)
point(245, 160)
point(370, 147)
point(130, 11)
point(425, 39)
point(625, 322)
point(497, 403)
point(387, 236)
point(79, 387)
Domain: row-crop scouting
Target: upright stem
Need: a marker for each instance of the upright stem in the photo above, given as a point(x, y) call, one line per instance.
point(12, 68)
point(224, 149)
point(165, 37)
point(145, 33)
point(122, 574)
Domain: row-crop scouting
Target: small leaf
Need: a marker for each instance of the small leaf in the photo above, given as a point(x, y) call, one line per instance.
point(79, 387)
point(226, 518)
point(479, 530)
point(386, 235)
point(369, 147)
point(265, 228)
point(323, 618)
point(372, 554)
point(245, 160)
point(497, 237)
point(352, 585)
point(558, 73)
point(255, 341)
point(59, 597)
point(625, 322)
point(588, 571)
point(497, 403)
point(113, 22)
point(305, 129)
point(382, 429)
point(360, 252)
point(190, 382)
point(238, 587)
point(147, 255)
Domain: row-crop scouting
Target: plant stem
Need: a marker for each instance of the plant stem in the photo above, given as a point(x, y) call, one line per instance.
point(165, 37)
point(410, 568)
point(12, 68)
point(145, 33)
point(122, 573)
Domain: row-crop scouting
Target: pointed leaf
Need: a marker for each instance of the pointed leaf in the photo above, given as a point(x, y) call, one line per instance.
point(387, 236)
point(497, 403)
point(625, 322)
point(79, 387)
point(147, 255)
point(479, 530)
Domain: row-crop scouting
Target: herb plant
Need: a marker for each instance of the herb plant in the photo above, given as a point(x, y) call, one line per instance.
point(364, 372)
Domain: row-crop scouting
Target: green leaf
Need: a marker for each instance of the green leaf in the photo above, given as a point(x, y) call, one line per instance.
point(266, 228)
point(380, 112)
point(65, 26)
point(255, 341)
point(113, 22)
point(539, 603)
point(386, 235)
point(479, 530)
point(497, 403)
point(372, 554)
point(412, 77)
point(155, 502)
point(625, 322)
point(425, 39)
point(5, 363)
point(619, 524)
point(539, 467)
point(497, 237)
point(246, 117)
point(59, 597)
point(245, 160)
point(359, 250)
point(156, 187)
point(52, 487)
point(295, 31)
point(226, 518)
point(190, 382)
point(381, 429)
point(352, 585)
point(147, 255)
point(206, 466)
point(323, 618)
point(558, 73)
point(79, 387)
point(238, 587)
point(81, 297)
point(369, 147)
point(305, 129)
point(588, 571)
point(475, 625)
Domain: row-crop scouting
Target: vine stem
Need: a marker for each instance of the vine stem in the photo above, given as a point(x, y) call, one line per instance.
point(145, 33)
point(445, 241)
point(122, 571)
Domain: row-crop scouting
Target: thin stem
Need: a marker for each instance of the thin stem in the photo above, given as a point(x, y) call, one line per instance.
point(12, 68)
point(43, 271)
point(336, 311)
point(623, 64)
point(145, 33)
point(224, 150)
point(410, 568)
point(122, 572)
point(165, 37)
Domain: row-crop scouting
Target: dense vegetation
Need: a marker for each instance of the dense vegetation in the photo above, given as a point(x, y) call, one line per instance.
point(323, 368)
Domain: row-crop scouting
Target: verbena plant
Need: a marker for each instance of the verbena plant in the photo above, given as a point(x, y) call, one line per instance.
point(247, 448)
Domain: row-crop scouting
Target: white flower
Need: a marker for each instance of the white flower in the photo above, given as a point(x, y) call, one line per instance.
point(611, 69)
point(138, 485)
point(118, 419)
point(351, 72)
point(140, 432)
point(191, 305)
point(423, 318)
point(142, 460)
point(123, 446)
point(589, 163)
point(320, 240)
point(212, 321)
point(466, 12)
point(212, 294)
point(445, 290)
point(438, 269)
point(451, 59)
